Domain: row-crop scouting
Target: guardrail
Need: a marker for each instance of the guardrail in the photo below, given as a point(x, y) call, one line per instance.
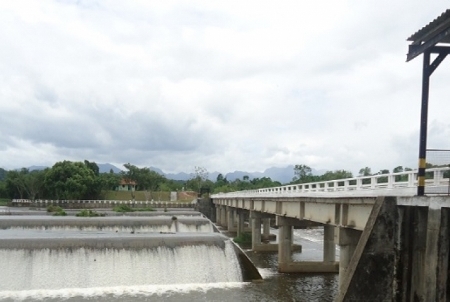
point(392, 181)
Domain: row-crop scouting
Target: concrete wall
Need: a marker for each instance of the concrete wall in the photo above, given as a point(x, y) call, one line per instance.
point(206, 207)
point(403, 253)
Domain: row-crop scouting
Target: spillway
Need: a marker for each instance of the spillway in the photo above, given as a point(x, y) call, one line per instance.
point(45, 254)
point(109, 224)
point(63, 268)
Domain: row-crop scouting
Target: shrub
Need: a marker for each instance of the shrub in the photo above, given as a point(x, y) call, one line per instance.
point(89, 213)
point(56, 210)
point(123, 208)
point(244, 238)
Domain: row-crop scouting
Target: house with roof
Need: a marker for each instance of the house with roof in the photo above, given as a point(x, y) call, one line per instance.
point(126, 185)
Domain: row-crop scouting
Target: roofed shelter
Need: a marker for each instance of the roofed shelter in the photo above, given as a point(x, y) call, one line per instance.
point(433, 38)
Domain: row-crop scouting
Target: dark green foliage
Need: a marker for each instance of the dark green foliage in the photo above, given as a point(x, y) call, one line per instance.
point(244, 238)
point(89, 213)
point(56, 210)
point(124, 208)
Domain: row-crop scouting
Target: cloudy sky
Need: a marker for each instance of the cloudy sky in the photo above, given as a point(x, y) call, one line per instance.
point(225, 85)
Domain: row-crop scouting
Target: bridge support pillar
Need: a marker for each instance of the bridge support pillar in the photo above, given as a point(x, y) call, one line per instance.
point(266, 230)
point(329, 246)
point(256, 232)
point(240, 223)
point(218, 221)
point(231, 215)
point(285, 263)
point(348, 240)
point(223, 216)
point(257, 245)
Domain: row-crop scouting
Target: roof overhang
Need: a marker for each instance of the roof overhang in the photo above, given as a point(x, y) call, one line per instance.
point(428, 38)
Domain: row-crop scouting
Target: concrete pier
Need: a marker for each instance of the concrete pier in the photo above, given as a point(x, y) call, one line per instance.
point(285, 263)
point(231, 219)
point(348, 240)
point(257, 245)
point(240, 222)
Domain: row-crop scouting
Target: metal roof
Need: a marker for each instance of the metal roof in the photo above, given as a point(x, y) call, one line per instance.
point(437, 31)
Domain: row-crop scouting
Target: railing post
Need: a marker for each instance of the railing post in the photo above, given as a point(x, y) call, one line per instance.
point(373, 182)
point(437, 177)
point(391, 179)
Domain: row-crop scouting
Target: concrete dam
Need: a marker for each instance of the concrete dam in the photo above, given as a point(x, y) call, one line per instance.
point(42, 255)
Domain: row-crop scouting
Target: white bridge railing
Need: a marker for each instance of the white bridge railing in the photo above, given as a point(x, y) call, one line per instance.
point(45, 202)
point(381, 182)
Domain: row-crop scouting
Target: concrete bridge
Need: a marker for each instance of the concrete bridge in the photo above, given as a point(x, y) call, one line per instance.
point(393, 245)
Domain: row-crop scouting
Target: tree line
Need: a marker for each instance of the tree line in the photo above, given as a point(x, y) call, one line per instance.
point(82, 180)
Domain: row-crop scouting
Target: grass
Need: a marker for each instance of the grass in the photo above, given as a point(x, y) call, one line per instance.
point(4, 201)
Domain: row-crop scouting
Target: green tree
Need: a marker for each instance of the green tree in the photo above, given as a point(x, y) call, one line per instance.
point(365, 171)
point(302, 173)
point(198, 178)
point(15, 183)
point(70, 180)
point(34, 183)
point(146, 179)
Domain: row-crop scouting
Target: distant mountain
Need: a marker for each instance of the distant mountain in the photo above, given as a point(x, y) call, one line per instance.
point(105, 168)
point(38, 168)
point(283, 175)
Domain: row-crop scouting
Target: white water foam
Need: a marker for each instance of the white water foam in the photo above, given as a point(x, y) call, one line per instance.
point(183, 228)
point(92, 293)
point(45, 269)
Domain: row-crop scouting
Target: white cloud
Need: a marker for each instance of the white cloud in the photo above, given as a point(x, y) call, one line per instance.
point(225, 85)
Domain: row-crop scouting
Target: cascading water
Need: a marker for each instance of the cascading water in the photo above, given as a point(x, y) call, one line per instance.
point(34, 269)
point(182, 227)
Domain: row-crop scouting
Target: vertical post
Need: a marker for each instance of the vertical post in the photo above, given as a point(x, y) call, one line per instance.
point(256, 230)
point(218, 221)
point(266, 228)
point(329, 247)
point(230, 217)
point(348, 240)
point(423, 124)
point(223, 216)
point(240, 224)
point(284, 244)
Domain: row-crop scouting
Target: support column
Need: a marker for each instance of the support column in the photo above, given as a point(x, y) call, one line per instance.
point(266, 228)
point(256, 231)
point(231, 219)
point(329, 247)
point(218, 222)
point(284, 245)
point(223, 216)
point(240, 223)
point(348, 240)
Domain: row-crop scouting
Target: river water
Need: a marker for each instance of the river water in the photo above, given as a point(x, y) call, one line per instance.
point(274, 287)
